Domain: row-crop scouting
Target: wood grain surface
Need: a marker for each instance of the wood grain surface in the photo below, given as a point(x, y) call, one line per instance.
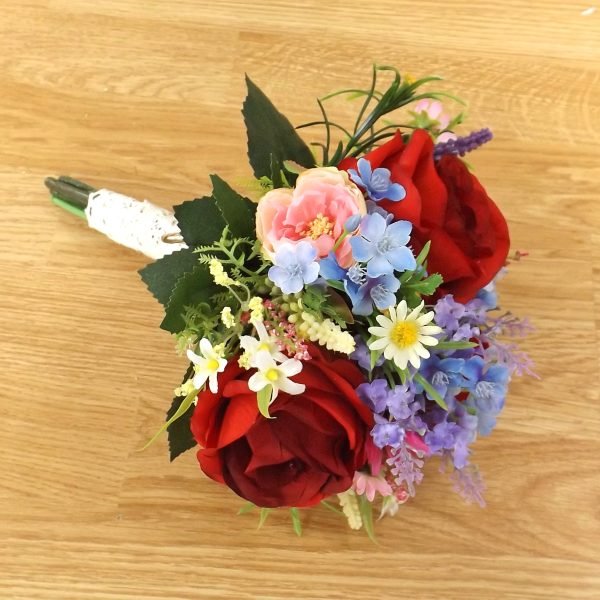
point(144, 97)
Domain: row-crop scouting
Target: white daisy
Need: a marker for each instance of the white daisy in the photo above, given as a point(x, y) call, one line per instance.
point(403, 337)
point(275, 375)
point(207, 365)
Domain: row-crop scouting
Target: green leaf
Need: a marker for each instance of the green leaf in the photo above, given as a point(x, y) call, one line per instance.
point(431, 391)
point(423, 254)
point(248, 507)
point(454, 345)
point(200, 221)
point(427, 286)
point(178, 432)
point(162, 275)
point(271, 137)
point(331, 507)
point(193, 288)
point(181, 410)
point(296, 522)
point(264, 401)
point(237, 211)
point(366, 513)
point(264, 513)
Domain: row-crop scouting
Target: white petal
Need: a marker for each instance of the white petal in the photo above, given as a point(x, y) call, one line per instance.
point(430, 330)
point(422, 351)
point(425, 318)
point(401, 360)
point(384, 321)
point(199, 379)
point(291, 387)
point(257, 382)
point(390, 351)
point(264, 361)
point(192, 356)
point(401, 311)
point(248, 343)
point(213, 383)
point(222, 365)
point(379, 344)
point(378, 331)
point(279, 356)
point(291, 367)
point(263, 336)
point(205, 347)
point(415, 312)
point(427, 340)
point(414, 360)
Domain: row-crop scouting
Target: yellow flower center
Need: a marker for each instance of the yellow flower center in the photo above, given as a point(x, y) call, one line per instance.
point(263, 346)
point(212, 364)
point(404, 334)
point(272, 374)
point(320, 225)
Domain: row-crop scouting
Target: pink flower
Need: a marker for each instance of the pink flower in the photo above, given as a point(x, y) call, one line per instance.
point(316, 210)
point(370, 485)
point(434, 110)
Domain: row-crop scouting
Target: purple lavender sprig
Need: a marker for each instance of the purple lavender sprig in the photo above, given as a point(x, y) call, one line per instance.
point(462, 145)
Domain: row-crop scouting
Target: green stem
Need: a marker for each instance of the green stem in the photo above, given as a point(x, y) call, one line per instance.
point(74, 210)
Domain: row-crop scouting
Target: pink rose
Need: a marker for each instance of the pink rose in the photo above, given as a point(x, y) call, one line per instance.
point(315, 210)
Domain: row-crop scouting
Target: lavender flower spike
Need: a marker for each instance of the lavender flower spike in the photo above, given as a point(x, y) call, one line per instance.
point(462, 145)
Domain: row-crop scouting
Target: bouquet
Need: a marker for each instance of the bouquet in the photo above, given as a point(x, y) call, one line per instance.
point(343, 327)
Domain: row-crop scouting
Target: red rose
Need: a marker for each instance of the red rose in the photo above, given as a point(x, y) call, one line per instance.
point(447, 206)
point(310, 450)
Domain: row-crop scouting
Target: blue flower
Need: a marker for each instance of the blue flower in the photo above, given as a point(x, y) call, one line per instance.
point(488, 391)
point(362, 355)
point(383, 246)
point(294, 266)
point(362, 290)
point(444, 374)
point(376, 183)
point(374, 394)
point(380, 291)
point(386, 433)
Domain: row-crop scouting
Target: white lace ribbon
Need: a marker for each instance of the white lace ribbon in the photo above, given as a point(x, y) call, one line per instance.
point(141, 226)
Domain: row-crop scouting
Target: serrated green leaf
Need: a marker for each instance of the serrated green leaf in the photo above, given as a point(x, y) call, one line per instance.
point(238, 212)
point(263, 398)
point(425, 287)
point(200, 221)
point(431, 391)
point(193, 288)
point(296, 522)
point(161, 276)
point(271, 137)
point(178, 432)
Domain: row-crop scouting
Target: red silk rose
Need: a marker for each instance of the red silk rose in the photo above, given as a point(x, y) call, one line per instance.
point(447, 206)
point(310, 450)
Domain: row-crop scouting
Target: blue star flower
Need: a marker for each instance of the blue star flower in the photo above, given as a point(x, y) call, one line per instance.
point(294, 266)
point(363, 293)
point(383, 246)
point(376, 183)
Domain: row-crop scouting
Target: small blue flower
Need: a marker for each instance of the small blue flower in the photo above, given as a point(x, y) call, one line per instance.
point(386, 433)
point(362, 355)
point(352, 223)
point(294, 266)
point(365, 292)
point(488, 391)
point(374, 394)
point(330, 269)
point(383, 246)
point(377, 183)
point(444, 374)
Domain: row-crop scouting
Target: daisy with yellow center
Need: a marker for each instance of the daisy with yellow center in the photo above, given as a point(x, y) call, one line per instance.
point(207, 365)
point(403, 336)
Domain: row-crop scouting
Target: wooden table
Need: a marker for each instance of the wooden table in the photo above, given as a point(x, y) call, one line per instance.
point(144, 98)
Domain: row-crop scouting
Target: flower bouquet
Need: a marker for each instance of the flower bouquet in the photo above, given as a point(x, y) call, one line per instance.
point(343, 327)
